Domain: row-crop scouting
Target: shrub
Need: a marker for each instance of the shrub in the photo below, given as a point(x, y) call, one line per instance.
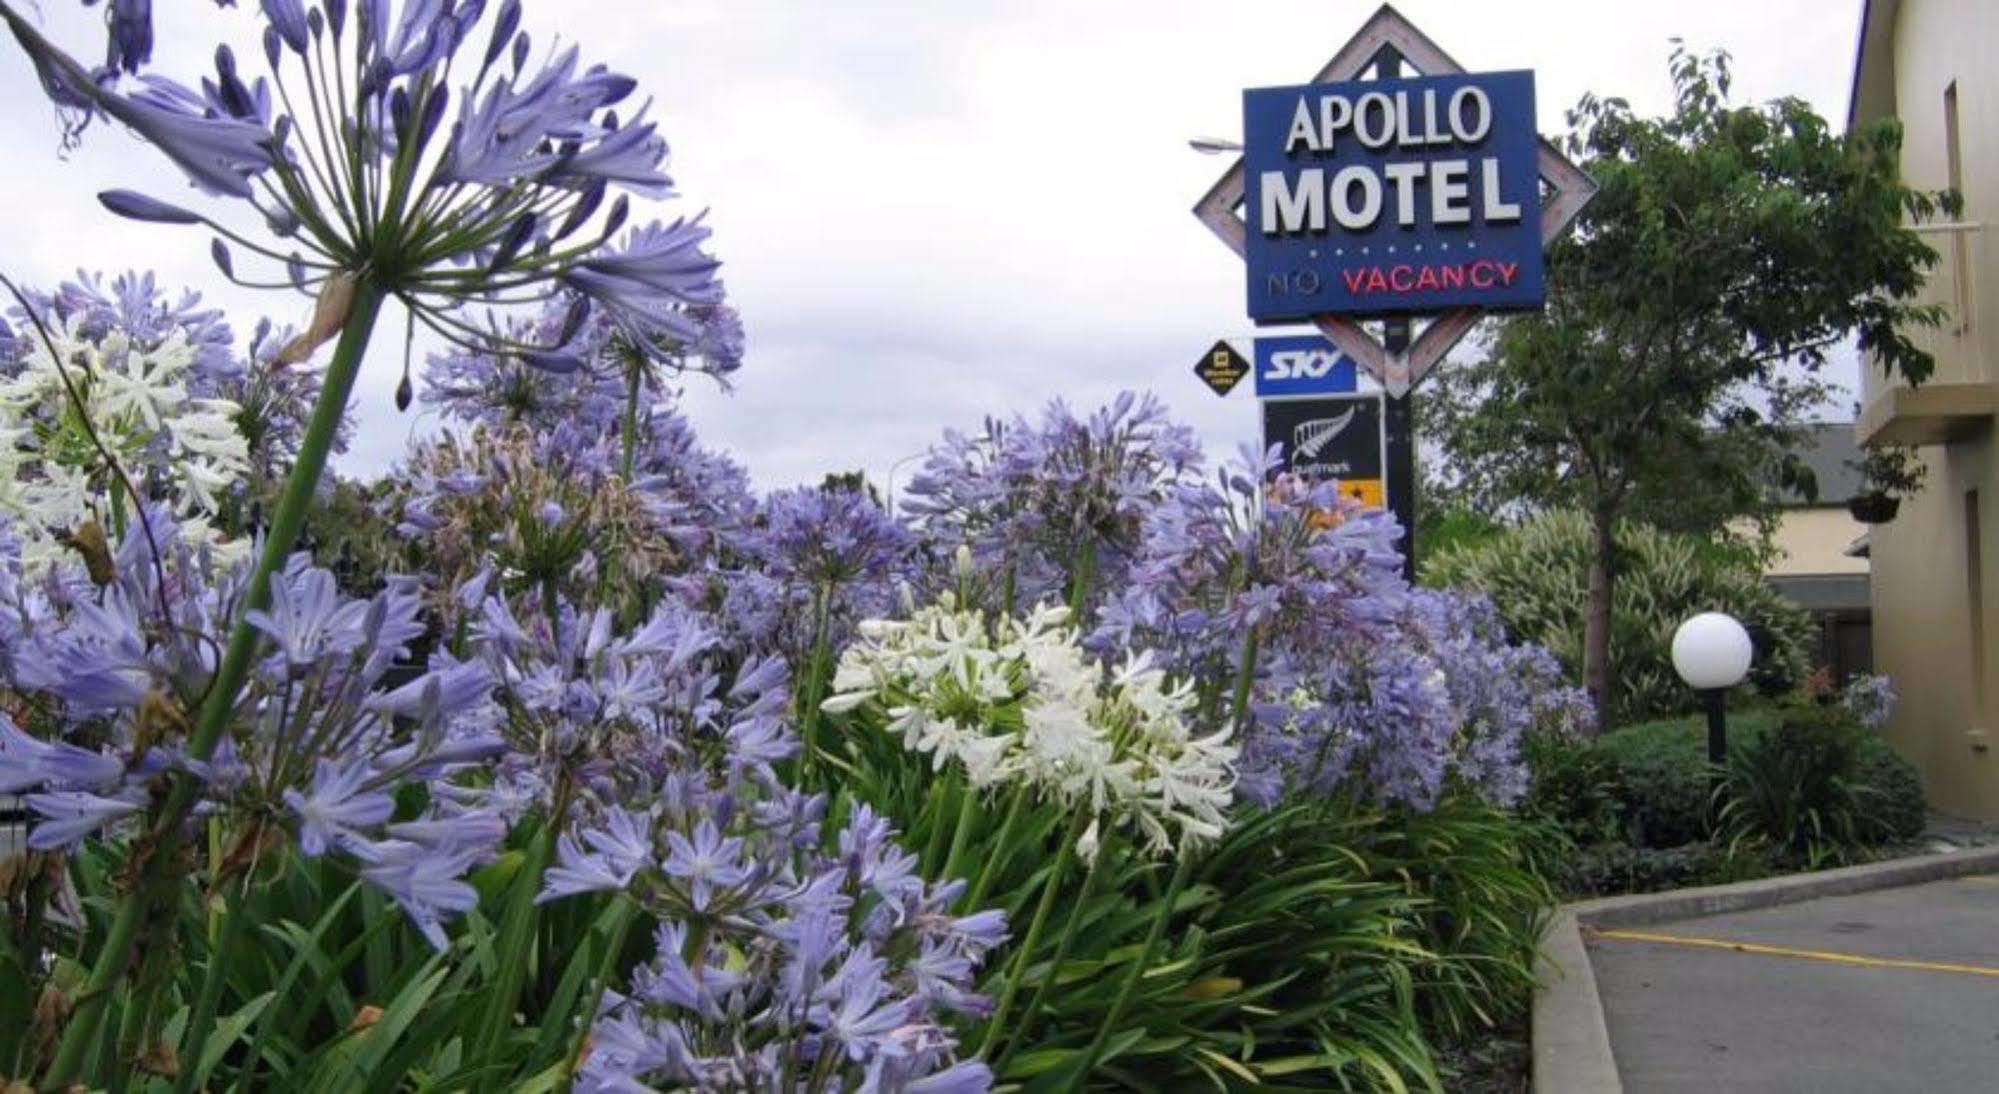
point(1578, 789)
point(1621, 868)
point(1650, 785)
point(1665, 777)
point(1538, 575)
point(1899, 811)
point(1803, 788)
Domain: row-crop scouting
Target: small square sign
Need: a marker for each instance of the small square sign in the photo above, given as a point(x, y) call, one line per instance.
point(1222, 368)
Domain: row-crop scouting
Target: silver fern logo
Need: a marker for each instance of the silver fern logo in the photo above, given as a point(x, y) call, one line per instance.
point(1310, 438)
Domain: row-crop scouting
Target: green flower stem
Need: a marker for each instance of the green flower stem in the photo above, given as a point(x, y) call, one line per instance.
point(934, 807)
point(1079, 582)
point(159, 869)
point(1050, 888)
point(202, 1023)
point(551, 605)
point(631, 438)
point(816, 672)
point(1238, 715)
point(517, 933)
point(1137, 971)
point(968, 815)
point(1062, 946)
point(19, 940)
point(1239, 704)
point(1000, 852)
point(117, 509)
point(607, 968)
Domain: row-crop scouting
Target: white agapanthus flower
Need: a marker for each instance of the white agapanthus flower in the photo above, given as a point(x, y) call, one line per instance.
point(1021, 701)
point(183, 452)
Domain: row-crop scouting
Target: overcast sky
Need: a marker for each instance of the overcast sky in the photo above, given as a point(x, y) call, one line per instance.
point(927, 210)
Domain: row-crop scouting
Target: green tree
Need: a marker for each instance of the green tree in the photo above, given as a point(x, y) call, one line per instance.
point(1729, 249)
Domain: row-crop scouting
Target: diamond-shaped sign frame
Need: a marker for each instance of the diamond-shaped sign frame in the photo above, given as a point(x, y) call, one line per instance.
point(1571, 189)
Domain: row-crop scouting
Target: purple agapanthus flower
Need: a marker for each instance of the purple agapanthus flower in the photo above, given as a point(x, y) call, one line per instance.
point(338, 805)
point(63, 818)
point(780, 967)
point(308, 619)
point(1039, 502)
point(364, 160)
point(316, 729)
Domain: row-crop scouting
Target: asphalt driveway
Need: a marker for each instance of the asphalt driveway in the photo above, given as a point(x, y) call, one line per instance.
point(1892, 990)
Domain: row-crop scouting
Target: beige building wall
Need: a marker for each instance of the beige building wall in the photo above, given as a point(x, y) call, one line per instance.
point(1814, 541)
point(1935, 594)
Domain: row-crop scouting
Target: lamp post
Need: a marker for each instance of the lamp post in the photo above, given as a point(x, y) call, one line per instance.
point(1711, 652)
point(892, 469)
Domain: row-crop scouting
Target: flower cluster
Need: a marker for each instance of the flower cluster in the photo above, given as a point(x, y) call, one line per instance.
point(781, 945)
point(1442, 702)
point(271, 401)
point(612, 382)
point(102, 410)
point(1357, 682)
point(365, 164)
point(1068, 495)
point(320, 741)
point(543, 509)
point(1008, 700)
point(1498, 690)
point(776, 957)
point(1250, 553)
point(829, 537)
point(816, 561)
point(597, 712)
point(1870, 699)
point(135, 305)
point(550, 508)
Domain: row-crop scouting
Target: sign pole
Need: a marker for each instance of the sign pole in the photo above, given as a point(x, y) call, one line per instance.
point(1399, 420)
point(1399, 417)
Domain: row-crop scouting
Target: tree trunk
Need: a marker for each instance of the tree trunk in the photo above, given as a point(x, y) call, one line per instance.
point(1596, 620)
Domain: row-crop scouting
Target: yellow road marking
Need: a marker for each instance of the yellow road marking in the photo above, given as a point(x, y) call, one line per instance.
point(1982, 879)
point(1808, 955)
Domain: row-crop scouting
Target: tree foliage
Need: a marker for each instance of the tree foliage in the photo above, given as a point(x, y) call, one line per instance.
point(1730, 249)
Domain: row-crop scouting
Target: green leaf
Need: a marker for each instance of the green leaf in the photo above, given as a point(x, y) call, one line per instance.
point(228, 1030)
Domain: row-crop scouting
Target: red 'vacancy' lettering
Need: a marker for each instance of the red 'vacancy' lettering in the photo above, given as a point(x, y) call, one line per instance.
point(1481, 273)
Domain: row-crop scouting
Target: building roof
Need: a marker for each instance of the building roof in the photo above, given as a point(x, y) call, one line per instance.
point(1873, 93)
point(1825, 448)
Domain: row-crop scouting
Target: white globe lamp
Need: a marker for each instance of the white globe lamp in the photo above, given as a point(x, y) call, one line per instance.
point(1712, 652)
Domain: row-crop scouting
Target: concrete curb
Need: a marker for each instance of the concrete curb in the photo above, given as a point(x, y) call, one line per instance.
point(1571, 1042)
point(1572, 1052)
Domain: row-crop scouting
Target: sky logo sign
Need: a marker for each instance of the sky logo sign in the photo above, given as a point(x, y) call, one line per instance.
point(1301, 365)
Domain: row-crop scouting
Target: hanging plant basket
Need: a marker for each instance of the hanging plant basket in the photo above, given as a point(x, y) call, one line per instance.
point(1874, 508)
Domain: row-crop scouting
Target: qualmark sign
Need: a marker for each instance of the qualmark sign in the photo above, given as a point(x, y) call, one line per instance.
point(1392, 196)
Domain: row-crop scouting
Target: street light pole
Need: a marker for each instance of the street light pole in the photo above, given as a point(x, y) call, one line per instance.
point(892, 468)
point(1712, 652)
point(1717, 725)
